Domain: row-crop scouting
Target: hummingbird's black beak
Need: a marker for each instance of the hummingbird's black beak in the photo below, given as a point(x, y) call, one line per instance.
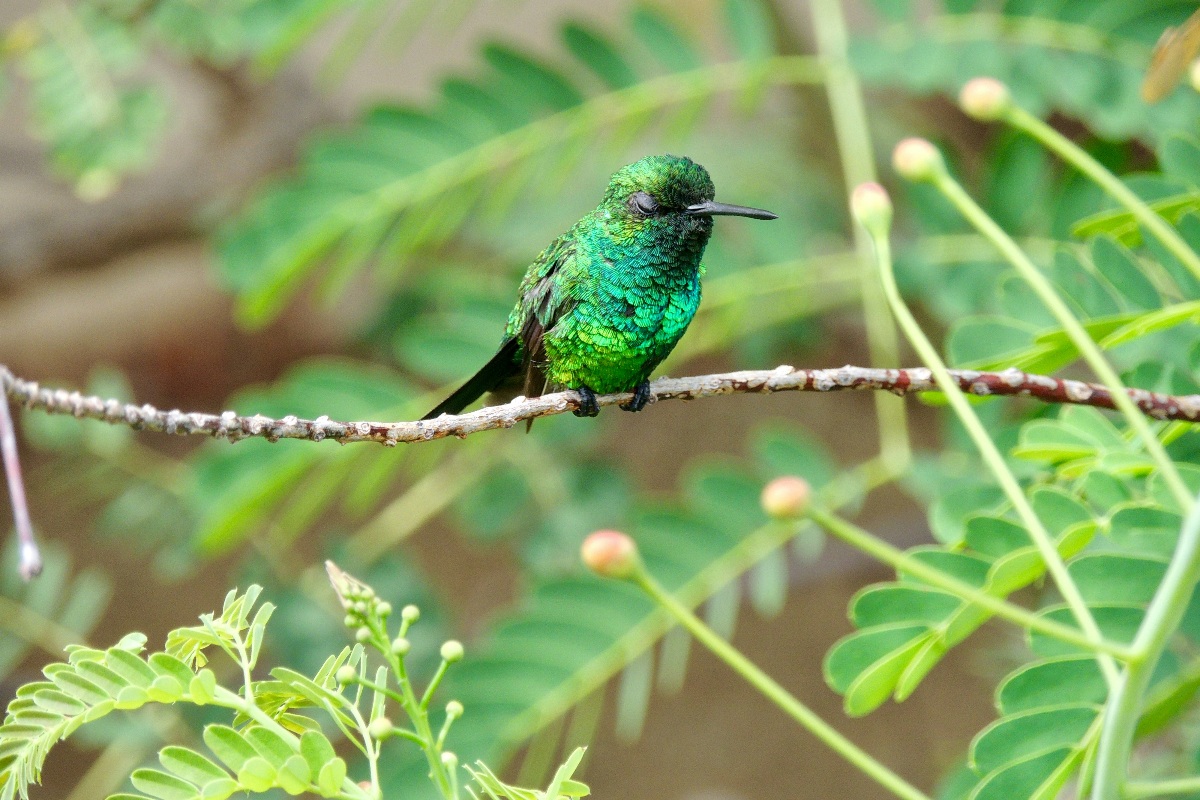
point(710, 208)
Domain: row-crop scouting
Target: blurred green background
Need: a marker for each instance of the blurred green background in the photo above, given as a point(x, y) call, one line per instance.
point(324, 207)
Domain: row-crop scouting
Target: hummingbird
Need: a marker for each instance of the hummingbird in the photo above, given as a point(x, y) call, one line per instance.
point(605, 303)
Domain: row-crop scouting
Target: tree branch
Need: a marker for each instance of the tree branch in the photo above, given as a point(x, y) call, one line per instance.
point(229, 425)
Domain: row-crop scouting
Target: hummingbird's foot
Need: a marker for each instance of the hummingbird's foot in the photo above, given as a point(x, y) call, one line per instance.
point(641, 396)
point(588, 407)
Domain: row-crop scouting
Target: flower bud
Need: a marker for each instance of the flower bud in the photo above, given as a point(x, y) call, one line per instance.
point(362, 634)
point(454, 709)
point(383, 608)
point(917, 160)
point(610, 553)
point(1194, 75)
point(786, 497)
point(872, 207)
point(380, 728)
point(410, 613)
point(449, 759)
point(452, 651)
point(401, 646)
point(985, 99)
point(346, 674)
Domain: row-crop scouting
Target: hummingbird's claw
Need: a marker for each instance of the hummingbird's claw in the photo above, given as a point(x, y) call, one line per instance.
point(641, 396)
point(588, 407)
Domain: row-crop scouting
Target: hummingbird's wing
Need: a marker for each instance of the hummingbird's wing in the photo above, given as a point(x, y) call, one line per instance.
point(547, 294)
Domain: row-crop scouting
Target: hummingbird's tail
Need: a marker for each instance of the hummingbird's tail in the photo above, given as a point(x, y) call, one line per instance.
point(502, 365)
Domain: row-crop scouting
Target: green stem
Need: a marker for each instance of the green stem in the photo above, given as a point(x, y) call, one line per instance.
point(858, 166)
point(777, 694)
point(1140, 789)
point(979, 218)
point(1079, 158)
point(1163, 616)
point(903, 562)
point(991, 455)
point(419, 717)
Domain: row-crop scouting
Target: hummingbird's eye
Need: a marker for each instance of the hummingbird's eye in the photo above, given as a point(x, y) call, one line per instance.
point(643, 204)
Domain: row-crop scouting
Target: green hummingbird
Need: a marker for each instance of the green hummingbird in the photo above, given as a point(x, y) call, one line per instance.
point(605, 303)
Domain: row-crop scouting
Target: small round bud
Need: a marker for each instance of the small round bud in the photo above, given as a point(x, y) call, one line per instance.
point(366, 593)
point(1194, 75)
point(985, 99)
point(872, 207)
point(362, 634)
point(917, 160)
point(449, 759)
point(401, 646)
point(380, 728)
point(786, 497)
point(346, 674)
point(410, 613)
point(360, 607)
point(383, 608)
point(454, 709)
point(351, 621)
point(610, 553)
point(452, 651)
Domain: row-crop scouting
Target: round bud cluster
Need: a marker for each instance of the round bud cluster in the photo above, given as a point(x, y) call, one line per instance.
point(364, 609)
point(786, 497)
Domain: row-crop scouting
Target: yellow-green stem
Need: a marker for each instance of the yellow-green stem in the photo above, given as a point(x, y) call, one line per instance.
point(1079, 158)
point(777, 694)
point(858, 166)
point(991, 457)
point(979, 218)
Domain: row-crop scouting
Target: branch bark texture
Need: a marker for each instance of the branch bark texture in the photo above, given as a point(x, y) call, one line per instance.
point(232, 426)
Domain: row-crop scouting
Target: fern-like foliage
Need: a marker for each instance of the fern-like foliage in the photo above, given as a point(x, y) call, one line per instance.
point(1087, 61)
point(1098, 485)
point(406, 179)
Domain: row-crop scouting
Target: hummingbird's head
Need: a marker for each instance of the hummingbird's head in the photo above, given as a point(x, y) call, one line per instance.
point(670, 190)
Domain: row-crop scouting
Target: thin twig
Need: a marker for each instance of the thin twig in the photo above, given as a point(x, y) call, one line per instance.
point(30, 560)
point(230, 425)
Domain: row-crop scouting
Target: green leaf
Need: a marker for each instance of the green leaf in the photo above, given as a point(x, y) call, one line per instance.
point(884, 604)
point(949, 513)
point(1027, 733)
point(1112, 578)
point(161, 785)
point(190, 765)
point(980, 339)
point(316, 750)
point(663, 39)
point(331, 776)
point(131, 668)
point(1037, 777)
point(751, 29)
point(599, 54)
point(858, 652)
point(995, 536)
point(1145, 529)
point(294, 775)
point(257, 774)
point(876, 683)
point(269, 744)
point(1117, 623)
point(1123, 226)
point(229, 746)
point(1068, 679)
point(203, 686)
point(1051, 441)
point(1179, 156)
point(1153, 322)
point(1121, 268)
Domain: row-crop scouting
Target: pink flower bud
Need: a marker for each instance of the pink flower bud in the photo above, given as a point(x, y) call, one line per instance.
point(985, 99)
point(786, 497)
point(917, 159)
point(872, 207)
point(610, 553)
